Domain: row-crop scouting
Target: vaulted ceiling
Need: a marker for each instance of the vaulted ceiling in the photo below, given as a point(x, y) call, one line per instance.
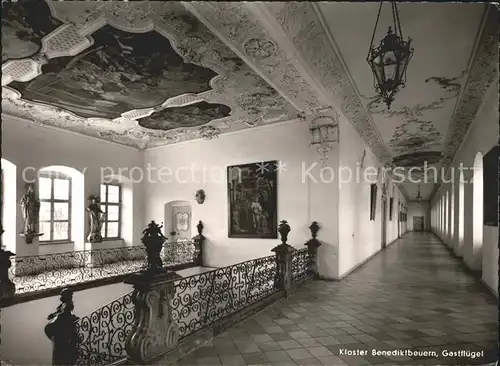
point(152, 73)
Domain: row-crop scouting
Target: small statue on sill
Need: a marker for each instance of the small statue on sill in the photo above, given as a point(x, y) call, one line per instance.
point(96, 219)
point(30, 208)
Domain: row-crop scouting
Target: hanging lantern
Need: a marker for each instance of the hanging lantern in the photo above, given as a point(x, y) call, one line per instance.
point(389, 60)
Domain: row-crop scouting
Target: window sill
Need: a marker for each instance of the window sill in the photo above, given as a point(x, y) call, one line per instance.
point(56, 242)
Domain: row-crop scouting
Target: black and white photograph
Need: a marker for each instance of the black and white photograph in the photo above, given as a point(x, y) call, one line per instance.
point(230, 183)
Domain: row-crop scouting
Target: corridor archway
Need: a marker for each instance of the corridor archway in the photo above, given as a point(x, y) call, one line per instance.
point(446, 216)
point(477, 211)
point(9, 204)
point(452, 214)
point(461, 197)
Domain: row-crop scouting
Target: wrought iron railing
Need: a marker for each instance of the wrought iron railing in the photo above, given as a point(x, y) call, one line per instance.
point(102, 334)
point(42, 272)
point(199, 301)
point(301, 264)
point(216, 299)
point(202, 299)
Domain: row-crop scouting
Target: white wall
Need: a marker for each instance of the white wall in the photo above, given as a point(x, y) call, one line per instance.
point(481, 136)
point(32, 147)
point(302, 197)
point(23, 338)
point(360, 238)
point(284, 142)
point(418, 209)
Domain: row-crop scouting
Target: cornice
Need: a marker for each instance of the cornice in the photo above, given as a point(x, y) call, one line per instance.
point(482, 74)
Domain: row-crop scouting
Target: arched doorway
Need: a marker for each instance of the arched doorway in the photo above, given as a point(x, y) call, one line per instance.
point(446, 216)
point(452, 214)
point(461, 197)
point(178, 220)
point(477, 211)
point(9, 204)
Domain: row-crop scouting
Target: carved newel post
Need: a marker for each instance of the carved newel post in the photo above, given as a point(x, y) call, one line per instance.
point(198, 243)
point(95, 219)
point(30, 208)
point(312, 249)
point(62, 331)
point(283, 279)
point(154, 332)
point(7, 287)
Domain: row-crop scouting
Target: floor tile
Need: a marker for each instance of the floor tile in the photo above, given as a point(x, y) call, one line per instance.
point(299, 354)
point(289, 344)
point(412, 295)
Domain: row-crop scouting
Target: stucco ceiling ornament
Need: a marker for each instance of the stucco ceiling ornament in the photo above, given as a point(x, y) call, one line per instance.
point(258, 48)
point(236, 24)
point(209, 132)
point(324, 130)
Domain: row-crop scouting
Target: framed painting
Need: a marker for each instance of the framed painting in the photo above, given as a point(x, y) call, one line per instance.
point(252, 198)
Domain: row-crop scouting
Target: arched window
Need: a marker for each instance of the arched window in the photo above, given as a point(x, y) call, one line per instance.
point(111, 205)
point(54, 191)
point(452, 211)
point(62, 207)
point(9, 204)
point(442, 215)
point(461, 196)
point(117, 201)
point(447, 213)
point(477, 205)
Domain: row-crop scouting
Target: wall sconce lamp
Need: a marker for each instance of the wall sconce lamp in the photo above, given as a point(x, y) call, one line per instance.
point(324, 133)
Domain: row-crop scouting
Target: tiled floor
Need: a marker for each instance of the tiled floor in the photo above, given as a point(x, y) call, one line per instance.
point(413, 296)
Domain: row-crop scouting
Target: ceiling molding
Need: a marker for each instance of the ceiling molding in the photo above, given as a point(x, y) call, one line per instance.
point(6, 116)
point(233, 133)
point(482, 74)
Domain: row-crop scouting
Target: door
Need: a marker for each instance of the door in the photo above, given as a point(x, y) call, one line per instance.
point(384, 226)
point(181, 219)
point(418, 223)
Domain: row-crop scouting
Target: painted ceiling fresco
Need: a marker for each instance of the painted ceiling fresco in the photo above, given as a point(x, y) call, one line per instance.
point(188, 116)
point(142, 74)
point(24, 24)
point(121, 71)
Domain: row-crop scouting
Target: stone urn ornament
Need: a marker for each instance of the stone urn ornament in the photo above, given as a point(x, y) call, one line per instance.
point(30, 208)
point(153, 239)
point(284, 229)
